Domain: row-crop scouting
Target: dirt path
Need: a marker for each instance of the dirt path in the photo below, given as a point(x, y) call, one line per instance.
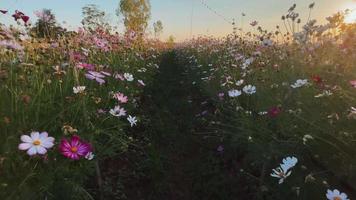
point(175, 150)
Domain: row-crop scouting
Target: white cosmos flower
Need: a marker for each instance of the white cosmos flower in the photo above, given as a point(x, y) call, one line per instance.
point(36, 143)
point(90, 156)
point(78, 89)
point(299, 83)
point(132, 120)
point(141, 82)
point(240, 82)
point(280, 173)
point(336, 195)
point(290, 162)
point(324, 94)
point(249, 89)
point(306, 138)
point(283, 171)
point(234, 93)
point(118, 111)
point(128, 77)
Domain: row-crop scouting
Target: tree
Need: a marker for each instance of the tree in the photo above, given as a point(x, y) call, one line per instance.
point(171, 41)
point(136, 14)
point(158, 28)
point(46, 25)
point(94, 18)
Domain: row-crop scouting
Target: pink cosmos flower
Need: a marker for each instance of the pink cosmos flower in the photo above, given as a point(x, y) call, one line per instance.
point(221, 95)
point(101, 44)
point(120, 97)
point(119, 77)
point(274, 111)
point(25, 18)
point(20, 15)
point(17, 15)
point(98, 77)
point(141, 82)
point(75, 148)
point(85, 66)
point(353, 83)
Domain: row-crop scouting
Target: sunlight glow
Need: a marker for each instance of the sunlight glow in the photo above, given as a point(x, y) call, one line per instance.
point(351, 17)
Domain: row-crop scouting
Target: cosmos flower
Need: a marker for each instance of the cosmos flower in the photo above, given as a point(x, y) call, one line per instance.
point(306, 138)
point(89, 156)
point(283, 171)
point(119, 77)
point(36, 143)
point(221, 95)
point(299, 83)
point(20, 15)
point(120, 97)
point(234, 93)
point(324, 94)
point(220, 149)
point(274, 111)
point(118, 111)
point(249, 89)
point(336, 195)
point(353, 83)
point(98, 77)
point(317, 79)
point(17, 15)
point(79, 89)
point(85, 66)
point(141, 82)
point(240, 82)
point(75, 148)
point(132, 120)
point(129, 77)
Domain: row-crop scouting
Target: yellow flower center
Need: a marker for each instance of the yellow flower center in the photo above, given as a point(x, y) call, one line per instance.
point(74, 149)
point(36, 142)
point(337, 198)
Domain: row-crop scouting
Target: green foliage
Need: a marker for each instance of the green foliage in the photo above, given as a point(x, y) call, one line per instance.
point(158, 28)
point(136, 14)
point(46, 25)
point(94, 18)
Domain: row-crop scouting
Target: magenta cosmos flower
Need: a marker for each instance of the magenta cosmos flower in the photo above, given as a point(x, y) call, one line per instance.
point(75, 148)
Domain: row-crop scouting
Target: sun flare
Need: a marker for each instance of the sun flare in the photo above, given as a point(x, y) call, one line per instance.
point(350, 17)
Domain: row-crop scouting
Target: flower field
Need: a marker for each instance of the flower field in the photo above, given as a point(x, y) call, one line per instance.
point(96, 114)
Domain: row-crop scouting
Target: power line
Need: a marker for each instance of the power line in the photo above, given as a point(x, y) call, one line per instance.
point(228, 20)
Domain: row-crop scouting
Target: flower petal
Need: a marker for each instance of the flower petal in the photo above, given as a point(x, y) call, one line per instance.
point(47, 144)
point(35, 135)
point(43, 135)
point(26, 138)
point(49, 139)
point(41, 150)
point(25, 146)
point(32, 151)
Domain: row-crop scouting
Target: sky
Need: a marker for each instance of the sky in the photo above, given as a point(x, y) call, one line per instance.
point(187, 18)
